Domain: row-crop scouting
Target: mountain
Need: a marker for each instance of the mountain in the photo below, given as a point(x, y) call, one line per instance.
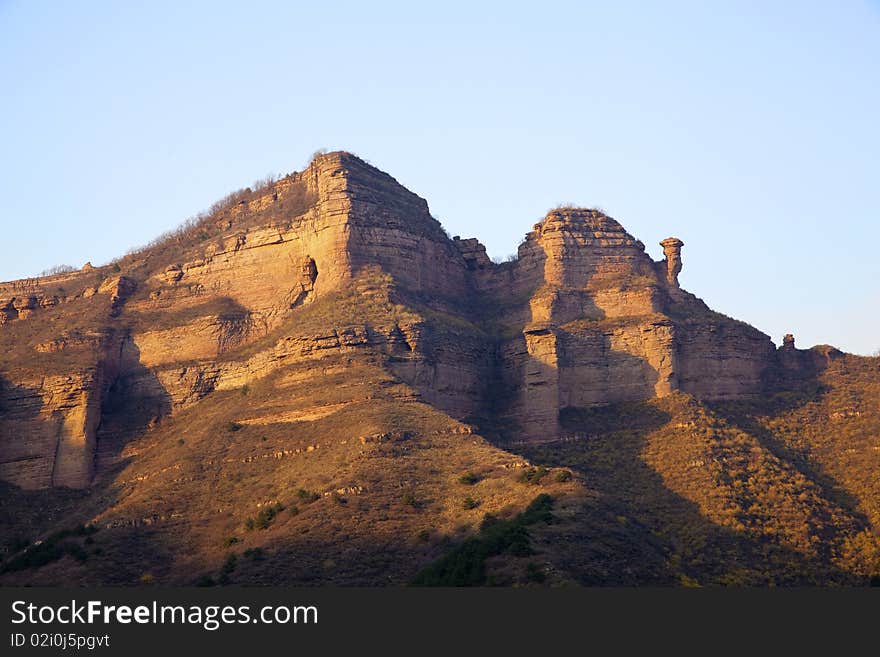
point(314, 384)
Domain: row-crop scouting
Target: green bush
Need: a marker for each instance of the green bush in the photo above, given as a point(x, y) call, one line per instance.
point(533, 475)
point(54, 547)
point(265, 517)
point(466, 564)
point(469, 479)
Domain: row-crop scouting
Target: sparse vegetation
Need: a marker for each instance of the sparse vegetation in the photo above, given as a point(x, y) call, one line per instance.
point(533, 475)
point(57, 269)
point(469, 479)
point(469, 503)
point(265, 517)
point(228, 568)
point(465, 565)
point(254, 554)
point(307, 496)
point(409, 499)
point(232, 210)
point(55, 546)
point(562, 476)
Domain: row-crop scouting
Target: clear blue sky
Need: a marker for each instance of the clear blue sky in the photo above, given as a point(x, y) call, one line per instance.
point(748, 129)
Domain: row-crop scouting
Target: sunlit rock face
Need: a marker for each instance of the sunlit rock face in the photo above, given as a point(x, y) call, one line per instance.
point(589, 318)
point(583, 316)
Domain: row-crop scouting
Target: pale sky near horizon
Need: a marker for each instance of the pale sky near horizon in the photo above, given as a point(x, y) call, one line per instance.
point(748, 129)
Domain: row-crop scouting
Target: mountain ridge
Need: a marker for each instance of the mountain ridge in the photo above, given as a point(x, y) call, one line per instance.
point(324, 334)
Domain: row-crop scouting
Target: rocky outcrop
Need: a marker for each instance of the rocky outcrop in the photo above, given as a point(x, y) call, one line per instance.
point(593, 320)
point(582, 316)
point(672, 251)
point(48, 427)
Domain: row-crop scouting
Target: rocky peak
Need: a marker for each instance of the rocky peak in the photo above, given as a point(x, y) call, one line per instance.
point(582, 247)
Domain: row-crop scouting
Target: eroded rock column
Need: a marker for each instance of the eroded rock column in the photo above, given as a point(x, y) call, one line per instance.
point(672, 251)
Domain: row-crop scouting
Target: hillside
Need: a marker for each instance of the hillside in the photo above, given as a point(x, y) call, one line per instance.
point(313, 383)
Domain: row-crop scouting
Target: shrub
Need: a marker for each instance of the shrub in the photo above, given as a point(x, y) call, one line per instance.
point(533, 475)
point(265, 517)
point(57, 269)
point(307, 496)
point(425, 535)
point(255, 554)
point(469, 503)
point(54, 547)
point(469, 479)
point(409, 499)
point(233, 426)
point(562, 476)
point(466, 564)
point(228, 568)
point(231, 540)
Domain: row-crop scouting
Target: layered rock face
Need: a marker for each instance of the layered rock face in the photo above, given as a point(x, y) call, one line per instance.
point(583, 316)
point(589, 319)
